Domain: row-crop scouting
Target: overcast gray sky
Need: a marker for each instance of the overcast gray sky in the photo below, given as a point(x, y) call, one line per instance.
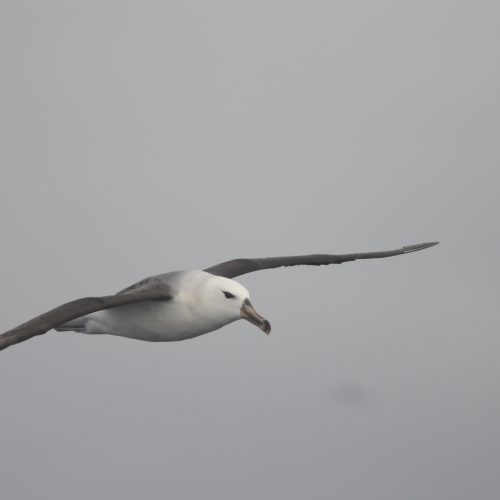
point(145, 137)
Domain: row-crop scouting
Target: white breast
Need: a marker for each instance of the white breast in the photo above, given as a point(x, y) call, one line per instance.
point(183, 317)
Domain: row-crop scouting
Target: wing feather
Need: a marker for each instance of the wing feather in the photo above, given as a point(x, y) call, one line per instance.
point(145, 290)
point(237, 267)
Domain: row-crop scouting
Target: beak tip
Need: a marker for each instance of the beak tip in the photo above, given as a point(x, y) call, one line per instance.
point(266, 327)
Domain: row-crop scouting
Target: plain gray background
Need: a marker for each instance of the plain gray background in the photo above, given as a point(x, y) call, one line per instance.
point(144, 137)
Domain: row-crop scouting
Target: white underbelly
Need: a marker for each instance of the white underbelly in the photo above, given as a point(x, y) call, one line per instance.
point(152, 321)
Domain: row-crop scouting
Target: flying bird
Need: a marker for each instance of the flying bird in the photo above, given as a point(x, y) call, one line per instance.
point(177, 305)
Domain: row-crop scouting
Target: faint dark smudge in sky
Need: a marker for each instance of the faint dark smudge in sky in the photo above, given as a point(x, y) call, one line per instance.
point(352, 394)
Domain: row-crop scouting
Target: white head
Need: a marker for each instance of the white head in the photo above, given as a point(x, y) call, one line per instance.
point(225, 300)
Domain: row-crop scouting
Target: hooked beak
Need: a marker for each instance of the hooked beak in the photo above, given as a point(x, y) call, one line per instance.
point(248, 312)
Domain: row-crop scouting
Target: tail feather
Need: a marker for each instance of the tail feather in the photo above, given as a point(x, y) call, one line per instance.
point(75, 325)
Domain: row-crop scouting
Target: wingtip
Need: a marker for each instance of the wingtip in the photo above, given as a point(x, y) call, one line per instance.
point(420, 246)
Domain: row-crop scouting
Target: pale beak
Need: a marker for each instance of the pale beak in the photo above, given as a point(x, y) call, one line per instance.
point(248, 312)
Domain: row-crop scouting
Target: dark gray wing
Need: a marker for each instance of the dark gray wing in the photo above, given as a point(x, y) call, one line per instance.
point(237, 267)
point(150, 289)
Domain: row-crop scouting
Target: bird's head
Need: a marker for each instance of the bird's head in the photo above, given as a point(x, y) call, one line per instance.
point(230, 301)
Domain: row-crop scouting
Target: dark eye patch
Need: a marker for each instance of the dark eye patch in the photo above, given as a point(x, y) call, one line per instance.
point(228, 295)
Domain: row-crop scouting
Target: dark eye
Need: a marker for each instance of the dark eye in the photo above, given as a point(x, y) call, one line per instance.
point(228, 295)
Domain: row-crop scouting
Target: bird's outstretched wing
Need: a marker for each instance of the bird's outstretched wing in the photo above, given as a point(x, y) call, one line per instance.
point(146, 290)
point(237, 267)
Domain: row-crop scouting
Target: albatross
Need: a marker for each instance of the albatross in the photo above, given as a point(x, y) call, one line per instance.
point(177, 305)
